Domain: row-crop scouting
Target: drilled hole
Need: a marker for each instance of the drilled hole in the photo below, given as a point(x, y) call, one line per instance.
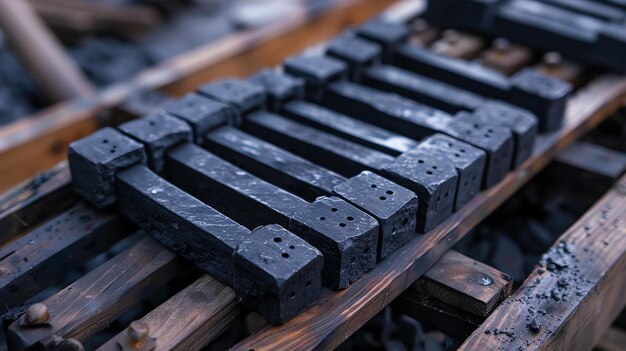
point(490, 130)
point(405, 221)
point(151, 123)
point(334, 209)
point(342, 224)
point(429, 172)
point(374, 186)
point(434, 167)
point(292, 247)
point(277, 239)
point(383, 198)
point(457, 155)
point(450, 144)
point(322, 218)
point(350, 218)
point(446, 194)
point(105, 141)
point(285, 255)
point(462, 150)
point(420, 161)
point(487, 135)
point(389, 192)
point(476, 126)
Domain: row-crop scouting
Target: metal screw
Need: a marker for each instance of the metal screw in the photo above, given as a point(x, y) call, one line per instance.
point(36, 314)
point(138, 332)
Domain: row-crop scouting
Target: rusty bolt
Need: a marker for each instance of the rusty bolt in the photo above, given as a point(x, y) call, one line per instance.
point(70, 345)
point(36, 314)
point(138, 333)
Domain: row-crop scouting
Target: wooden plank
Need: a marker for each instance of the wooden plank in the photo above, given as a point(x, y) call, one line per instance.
point(466, 284)
point(98, 298)
point(208, 308)
point(45, 135)
point(596, 159)
point(26, 206)
point(569, 301)
point(43, 257)
point(339, 314)
point(613, 340)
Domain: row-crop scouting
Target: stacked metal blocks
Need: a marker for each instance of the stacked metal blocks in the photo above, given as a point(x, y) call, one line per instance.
point(310, 175)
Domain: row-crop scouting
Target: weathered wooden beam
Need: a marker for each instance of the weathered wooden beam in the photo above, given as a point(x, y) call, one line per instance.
point(207, 306)
point(46, 255)
point(605, 163)
point(95, 300)
point(339, 314)
point(576, 292)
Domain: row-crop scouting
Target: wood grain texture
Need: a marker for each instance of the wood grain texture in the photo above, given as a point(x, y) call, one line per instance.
point(29, 204)
point(44, 136)
point(44, 256)
point(464, 283)
point(339, 314)
point(596, 159)
point(98, 298)
point(190, 319)
point(569, 301)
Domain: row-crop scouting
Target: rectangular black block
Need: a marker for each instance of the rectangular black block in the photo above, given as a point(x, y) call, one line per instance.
point(417, 121)
point(317, 71)
point(327, 150)
point(346, 236)
point(393, 206)
point(157, 132)
point(201, 113)
point(357, 53)
point(522, 123)
point(462, 14)
point(179, 221)
point(241, 95)
point(542, 95)
point(94, 161)
point(277, 274)
point(387, 34)
point(229, 189)
point(279, 87)
point(348, 128)
point(468, 160)
point(591, 8)
point(433, 181)
point(291, 172)
point(431, 92)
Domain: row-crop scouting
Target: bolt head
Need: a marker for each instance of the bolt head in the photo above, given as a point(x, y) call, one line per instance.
point(138, 331)
point(36, 314)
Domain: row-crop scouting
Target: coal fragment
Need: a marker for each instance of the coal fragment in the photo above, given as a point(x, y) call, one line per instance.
point(241, 95)
point(277, 274)
point(201, 113)
point(346, 236)
point(94, 161)
point(276, 165)
point(317, 71)
point(433, 181)
point(157, 132)
point(357, 53)
point(179, 221)
point(279, 87)
point(393, 206)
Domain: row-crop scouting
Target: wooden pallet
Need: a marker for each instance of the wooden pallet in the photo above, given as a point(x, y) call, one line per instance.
point(44, 136)
point(43, 227)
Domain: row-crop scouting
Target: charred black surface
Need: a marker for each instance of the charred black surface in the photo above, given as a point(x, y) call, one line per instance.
point(388, 35)
point(243, 96)
point(277, 273)
point(417, 121)
point(393, 206)
point(327, 150)
point(317, 71)
point(468, 160)
point(276, 165)
point(346, 236)
point(201, 113)
point(348, 128)
point(94, 161)
point(157, 132)
point(357, 53)
point(231, 190)
point(434, 181)
point(279, 87)
point(179, 221)
point(542, 95)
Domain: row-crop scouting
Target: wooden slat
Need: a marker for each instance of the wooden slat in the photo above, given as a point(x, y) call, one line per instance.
point(339, 314)
point(207, 308)
point(464, 283)
point(95, 300)
point(595, 159)
point(570, 305)
point(44, 256)
point(44, 136)
point(28, 205)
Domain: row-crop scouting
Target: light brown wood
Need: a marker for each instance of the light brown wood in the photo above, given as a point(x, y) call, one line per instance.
point(339, 314)
point(569, 301)
point(44, 136)
point(207, 308)
point(55, 72)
